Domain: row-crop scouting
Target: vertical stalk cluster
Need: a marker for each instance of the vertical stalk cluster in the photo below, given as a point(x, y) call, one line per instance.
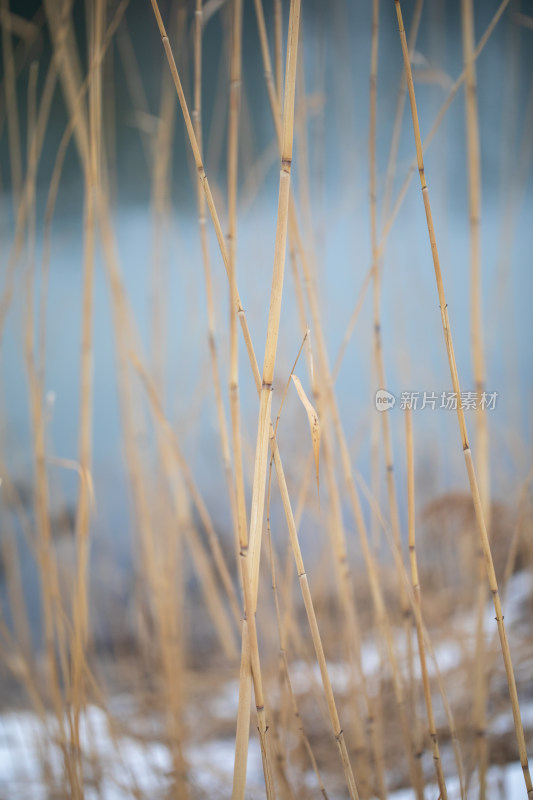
point(174, 529)
point(469, 462)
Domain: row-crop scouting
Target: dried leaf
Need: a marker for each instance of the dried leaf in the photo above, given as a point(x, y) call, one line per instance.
point(314, 423)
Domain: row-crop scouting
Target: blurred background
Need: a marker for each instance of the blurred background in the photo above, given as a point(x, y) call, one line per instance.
point(87, 489)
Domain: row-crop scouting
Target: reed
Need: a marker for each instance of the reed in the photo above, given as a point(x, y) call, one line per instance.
point(478, 360)
point(418, 606)
point(340, 654)
point(476, 498)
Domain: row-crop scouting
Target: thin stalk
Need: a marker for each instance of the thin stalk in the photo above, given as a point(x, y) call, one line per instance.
point(258, 491)
point(202, 223)
point(438, 120)
point(478, 359)
point(161, 165)
point(379, 366)
point(203, 513)
point(437, 763)
point(250, 564)
point(283, 650)
point(54, 632)
point(398, 116)
point(344, 583)
point(242, 735)
point(476, 498)
point(401, 568)
point(278, 50)
point(315, 633)
point(92, 177)
point(236, 490)
point(382, 619)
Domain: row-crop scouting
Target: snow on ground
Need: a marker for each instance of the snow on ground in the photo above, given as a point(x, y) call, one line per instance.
point(118, 765)
point(124, 765)
point(503, 783)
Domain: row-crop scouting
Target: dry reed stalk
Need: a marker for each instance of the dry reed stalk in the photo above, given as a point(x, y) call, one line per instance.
point(381, 613)
point(278, 49)
point(382, 619)
point(476, 498)
point(438, 120)
point(40, 127)
point(317, 641)
point(48, 92)
point(352, 626)
point(398, 116)
point(250, 563)
point(275, 103)
point(492, 649)
point(251, 632)
point(242, 734)
point(82, 525)
point(161, 565)
point(478, 360)
point(304, 193)
point(161, 171)
point(167, 619)
point(169, 614)
point(132, 423)
point(277, 459)
point(163, 585)
point(437, 763)
point(338, 528)
point(282, 647)
point(389, 180)
point(294, 230)
point(258, 488)
point(411, 597)
point(53, 613)
point(379, 367)
point(378, 376)
point(20, 619)
point(202, 222)
point(171, 455)
point(237, 489)
point(205, 184)
point(52, 608)
point(345, 590)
